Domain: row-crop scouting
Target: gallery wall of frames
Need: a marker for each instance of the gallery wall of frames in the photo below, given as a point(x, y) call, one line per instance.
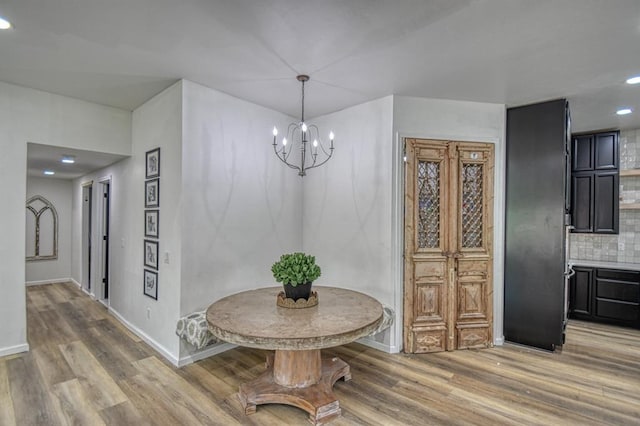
point(151, 222)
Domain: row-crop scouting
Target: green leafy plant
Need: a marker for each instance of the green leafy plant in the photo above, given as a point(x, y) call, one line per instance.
point(295, 268)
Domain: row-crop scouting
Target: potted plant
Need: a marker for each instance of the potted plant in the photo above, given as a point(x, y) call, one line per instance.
point(296, 271)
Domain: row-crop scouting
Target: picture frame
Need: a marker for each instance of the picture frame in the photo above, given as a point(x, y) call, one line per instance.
point(152, 193)
point(151, 254)
point(150, 284)
point(152, 163)
point(152, 223)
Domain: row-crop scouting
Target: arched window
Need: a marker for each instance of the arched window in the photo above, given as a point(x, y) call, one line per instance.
point(42, 229)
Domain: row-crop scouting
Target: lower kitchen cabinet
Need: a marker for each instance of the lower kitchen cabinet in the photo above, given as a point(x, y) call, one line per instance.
point(580, 300)
point(605, 295)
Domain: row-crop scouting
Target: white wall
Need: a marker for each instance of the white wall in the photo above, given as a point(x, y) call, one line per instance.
point(353, 217)
point(347, 202)
point(241, 207)
point(13, 333)
point(28, 115)
point(157, 123)
point(57, 192)
point(458, 121)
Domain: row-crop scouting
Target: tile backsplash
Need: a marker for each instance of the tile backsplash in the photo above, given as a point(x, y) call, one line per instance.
point(624, 247)
point(629, 149)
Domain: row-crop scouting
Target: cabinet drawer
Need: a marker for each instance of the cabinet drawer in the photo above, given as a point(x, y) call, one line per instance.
point(619, 275)
point(617, 290)
point(621, 311)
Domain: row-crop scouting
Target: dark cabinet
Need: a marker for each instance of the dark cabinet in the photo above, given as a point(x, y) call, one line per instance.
point(595, 183)
point(580, 299)
point(605, 295)
point(582, 153)
point(606, 202)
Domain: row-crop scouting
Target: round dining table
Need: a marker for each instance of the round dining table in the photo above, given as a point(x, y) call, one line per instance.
point(296, 373)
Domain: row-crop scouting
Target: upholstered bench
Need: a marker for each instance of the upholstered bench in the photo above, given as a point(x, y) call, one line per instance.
point(193, 329)
point(388, 316)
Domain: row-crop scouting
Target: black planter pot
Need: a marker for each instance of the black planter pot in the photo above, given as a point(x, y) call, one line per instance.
point(301, 291)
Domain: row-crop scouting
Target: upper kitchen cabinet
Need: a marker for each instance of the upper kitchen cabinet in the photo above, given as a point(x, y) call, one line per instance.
point(595, 182)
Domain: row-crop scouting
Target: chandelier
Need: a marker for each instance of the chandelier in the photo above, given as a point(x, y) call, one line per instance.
point(312, 154)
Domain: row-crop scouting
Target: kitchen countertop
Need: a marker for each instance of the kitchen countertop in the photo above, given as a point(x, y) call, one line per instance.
point(601, 264)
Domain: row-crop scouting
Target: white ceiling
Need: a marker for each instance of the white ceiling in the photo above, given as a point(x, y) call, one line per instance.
point(122, 52)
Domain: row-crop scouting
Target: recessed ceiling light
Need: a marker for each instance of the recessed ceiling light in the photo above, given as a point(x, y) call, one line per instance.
point(68, 159)
point(49, 172)
point(634, 80)
point(624, 111)
point(4, 24)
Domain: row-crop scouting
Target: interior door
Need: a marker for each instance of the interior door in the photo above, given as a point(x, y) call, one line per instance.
point(87, 203)
point(106, 186)
point(448, 245)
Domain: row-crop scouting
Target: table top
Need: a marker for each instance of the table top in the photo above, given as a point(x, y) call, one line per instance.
point(253, 319)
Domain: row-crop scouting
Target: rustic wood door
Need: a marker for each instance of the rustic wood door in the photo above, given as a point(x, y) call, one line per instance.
point(448, 245)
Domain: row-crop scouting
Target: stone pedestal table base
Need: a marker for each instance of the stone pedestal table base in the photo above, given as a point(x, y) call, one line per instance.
point(298, 378)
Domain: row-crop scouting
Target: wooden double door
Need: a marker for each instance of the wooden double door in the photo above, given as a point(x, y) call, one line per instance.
point(448, 245)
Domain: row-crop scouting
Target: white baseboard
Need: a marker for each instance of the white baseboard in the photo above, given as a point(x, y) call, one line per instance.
point(499, 341)
point(377, 345)
point(43, 282)
point(148, 340)
point(91, 295)
point(206, 353)
point(11, 350)
point(84, 290)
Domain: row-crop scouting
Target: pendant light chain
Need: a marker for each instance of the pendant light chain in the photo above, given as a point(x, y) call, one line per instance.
point(302, 118)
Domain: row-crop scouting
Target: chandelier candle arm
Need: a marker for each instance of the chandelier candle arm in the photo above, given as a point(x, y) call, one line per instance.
point(299, 134)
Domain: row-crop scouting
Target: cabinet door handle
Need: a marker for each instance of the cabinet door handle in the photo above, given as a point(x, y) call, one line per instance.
point(570, 273)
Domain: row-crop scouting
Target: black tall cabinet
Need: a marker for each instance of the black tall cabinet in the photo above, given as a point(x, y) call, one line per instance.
point(537, 204)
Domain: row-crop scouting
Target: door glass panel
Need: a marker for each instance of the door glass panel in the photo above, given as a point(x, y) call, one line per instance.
point(428, 204)
point(472, 205)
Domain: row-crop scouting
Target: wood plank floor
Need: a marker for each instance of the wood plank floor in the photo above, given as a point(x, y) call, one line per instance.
point(85, 368)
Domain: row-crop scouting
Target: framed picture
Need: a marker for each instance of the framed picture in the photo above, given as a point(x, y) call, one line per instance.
point(151, 254)
point(152, 193)
point(151, 223)
point(151, 284)
point(152, 163)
